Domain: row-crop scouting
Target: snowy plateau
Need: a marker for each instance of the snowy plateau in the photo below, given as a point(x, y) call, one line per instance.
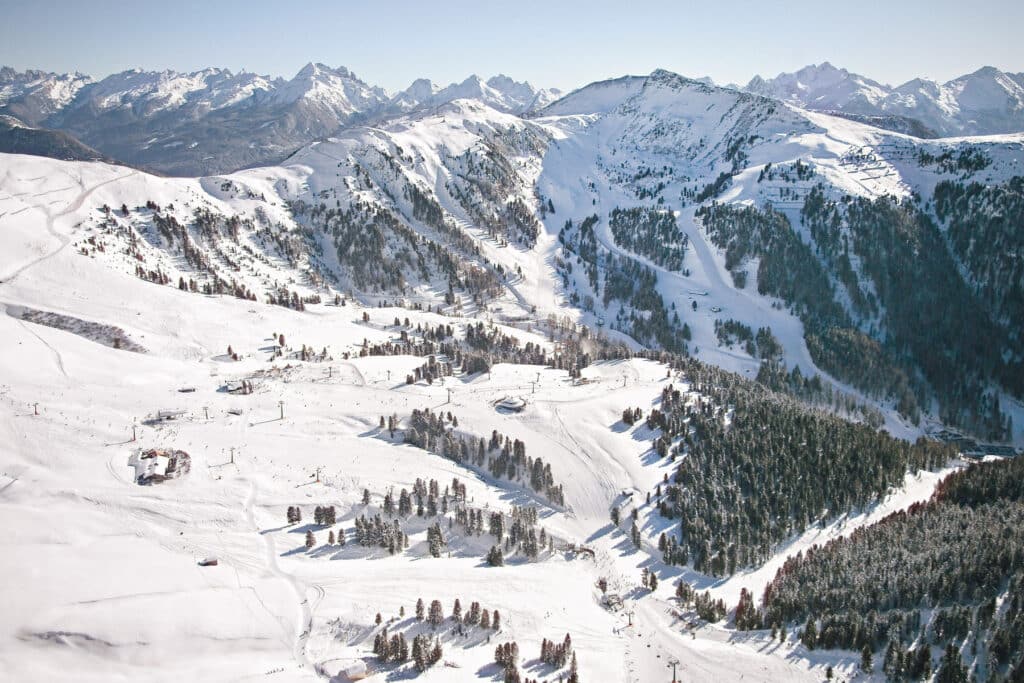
point(461, 349)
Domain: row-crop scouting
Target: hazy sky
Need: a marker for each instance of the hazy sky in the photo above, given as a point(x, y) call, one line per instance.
point(550, 43)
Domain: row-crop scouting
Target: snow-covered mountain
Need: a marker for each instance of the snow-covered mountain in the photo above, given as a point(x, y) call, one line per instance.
point(986, 102)
point(284, 327)
point(215, 120)
point(499, 92)
point(33, 95)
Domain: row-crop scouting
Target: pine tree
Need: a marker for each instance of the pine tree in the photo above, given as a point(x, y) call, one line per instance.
point(865, 658)
point(574, 675)
point(457, 610)
point(436, 615)
point(310, 539)
point(951, 668)
point(419, 609)
point(810, 635)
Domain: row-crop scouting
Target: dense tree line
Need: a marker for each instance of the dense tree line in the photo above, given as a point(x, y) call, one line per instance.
point(948, 573)
point(934, 323)
point(650, 232)
point(983, 228)
point(774, 469)
point(501, 456)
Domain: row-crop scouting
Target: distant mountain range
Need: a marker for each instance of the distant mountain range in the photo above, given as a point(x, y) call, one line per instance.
point(215, 120)
point(986, 102)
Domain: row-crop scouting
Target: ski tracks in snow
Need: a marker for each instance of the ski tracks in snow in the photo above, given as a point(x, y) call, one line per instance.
point(304, 625)
point(51, 220)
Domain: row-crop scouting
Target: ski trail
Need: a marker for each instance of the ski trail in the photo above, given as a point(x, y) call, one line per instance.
point(304, 624)
point(54, 351)
point(51, 219)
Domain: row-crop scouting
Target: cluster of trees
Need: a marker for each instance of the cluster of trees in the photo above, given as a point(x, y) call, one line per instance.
point(495, 557)
point(502, 457)
point(324, 515)
point(812, 390)
point(429, 371)
point(948, 573)
point(966, 160)
point(376, 531)
point(631, 416)
point(475, 616)
point(943, 328)
point(707, 608)
point(763, 345)
point(789, 173)
point(395, 649)
point(381, 252)
point(506, 656)
point(484, 178)
point(556, 654)
point(581, 242)
point(643, 313)
point(519, 536)
point(650, 232)
point(435, 540)
point(925, 319)
point(777, 467)
point(426, 652)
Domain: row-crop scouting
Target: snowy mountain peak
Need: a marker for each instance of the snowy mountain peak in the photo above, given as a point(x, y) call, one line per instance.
point(499, 92)
point(33, 95)
point(337, 89)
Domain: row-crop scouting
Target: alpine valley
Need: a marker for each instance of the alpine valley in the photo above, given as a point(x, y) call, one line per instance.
point(304, 379)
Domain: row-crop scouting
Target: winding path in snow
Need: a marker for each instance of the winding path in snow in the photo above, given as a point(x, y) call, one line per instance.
point(304, 625)
point(51, 219)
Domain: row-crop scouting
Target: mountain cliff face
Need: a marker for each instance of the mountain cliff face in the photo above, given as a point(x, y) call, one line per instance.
point(986, 102)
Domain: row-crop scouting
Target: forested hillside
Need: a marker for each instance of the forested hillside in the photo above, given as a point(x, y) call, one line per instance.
point(942, 577)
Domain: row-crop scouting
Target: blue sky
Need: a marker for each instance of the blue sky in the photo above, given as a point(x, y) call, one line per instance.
point(562, 44)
